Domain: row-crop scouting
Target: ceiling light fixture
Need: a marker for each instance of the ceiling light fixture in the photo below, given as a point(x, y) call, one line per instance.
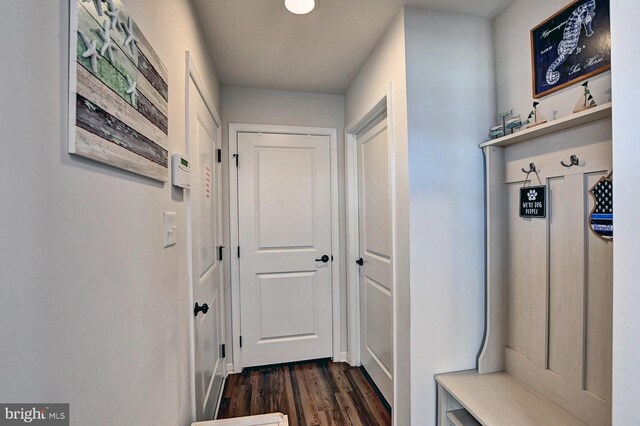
point(300, 7)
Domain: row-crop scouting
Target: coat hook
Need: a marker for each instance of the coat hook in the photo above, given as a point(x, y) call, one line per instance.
point(532, 169)
point(574, 161)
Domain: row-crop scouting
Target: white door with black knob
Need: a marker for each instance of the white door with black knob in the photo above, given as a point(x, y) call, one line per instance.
point(284, 206)
point(376, 284)
point(205, 235)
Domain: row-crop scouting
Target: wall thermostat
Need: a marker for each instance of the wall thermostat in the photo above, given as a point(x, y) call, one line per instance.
point(180, 171)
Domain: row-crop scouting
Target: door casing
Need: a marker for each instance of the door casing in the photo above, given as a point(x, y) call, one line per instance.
point(381, 104)
point(234, 129)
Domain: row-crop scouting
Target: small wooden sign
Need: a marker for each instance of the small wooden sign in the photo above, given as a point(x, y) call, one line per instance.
point(533, 201)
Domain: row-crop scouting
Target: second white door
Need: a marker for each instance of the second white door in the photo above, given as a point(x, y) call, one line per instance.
point(284, 205)
point(376, 284)
point(205, 229)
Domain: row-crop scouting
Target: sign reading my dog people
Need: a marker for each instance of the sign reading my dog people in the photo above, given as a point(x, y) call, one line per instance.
point(533, 201)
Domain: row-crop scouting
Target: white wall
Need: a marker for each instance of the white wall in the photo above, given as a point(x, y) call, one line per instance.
point(513, 64)
point(387, 64)
point(93, 310)
point(278, 107)
point(450, 87)
point(626, 268)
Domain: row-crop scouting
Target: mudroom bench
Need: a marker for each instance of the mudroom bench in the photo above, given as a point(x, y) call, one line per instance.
point(467, 398)
point(546, 355)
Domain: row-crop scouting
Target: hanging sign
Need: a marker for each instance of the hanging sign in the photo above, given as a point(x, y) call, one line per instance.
point(601, 217)
point(533, 201)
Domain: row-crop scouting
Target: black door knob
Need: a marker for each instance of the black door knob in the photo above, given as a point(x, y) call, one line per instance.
point(204, 309)
point(324, 259)
point(360, 262)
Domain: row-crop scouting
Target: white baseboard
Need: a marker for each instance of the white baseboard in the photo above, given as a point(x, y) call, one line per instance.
point(344, 356)
point(230, 368)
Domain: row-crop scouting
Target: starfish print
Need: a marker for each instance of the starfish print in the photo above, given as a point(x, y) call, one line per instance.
point(131, 90)
point(107, 45)
point(91, 51)
point(130, 40)
point(112, 12)
point(97, 4)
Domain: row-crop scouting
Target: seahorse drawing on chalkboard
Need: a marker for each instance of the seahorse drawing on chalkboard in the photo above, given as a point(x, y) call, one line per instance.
point(582, 16)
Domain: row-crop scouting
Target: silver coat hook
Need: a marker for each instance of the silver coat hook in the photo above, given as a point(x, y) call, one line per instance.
point(574, 161)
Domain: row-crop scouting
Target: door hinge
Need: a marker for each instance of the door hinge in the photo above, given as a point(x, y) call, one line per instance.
point(219, 156)
point(238, 251)
point(237, 157)
point(240, 341)
point(220, 248)
point(223, 351)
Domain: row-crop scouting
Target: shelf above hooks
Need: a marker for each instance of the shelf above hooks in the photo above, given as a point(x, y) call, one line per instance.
point(573, 120)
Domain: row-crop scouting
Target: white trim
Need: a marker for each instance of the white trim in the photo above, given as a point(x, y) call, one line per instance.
point(234, 129)
point(353, 247)
point(344, 356)
point(380, 104)
point(233, 243)
point(192, 74)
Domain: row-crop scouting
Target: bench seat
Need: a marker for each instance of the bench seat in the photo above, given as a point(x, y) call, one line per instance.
point(496, 399)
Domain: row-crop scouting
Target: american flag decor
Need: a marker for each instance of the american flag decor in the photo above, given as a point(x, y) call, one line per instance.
point(601, 218)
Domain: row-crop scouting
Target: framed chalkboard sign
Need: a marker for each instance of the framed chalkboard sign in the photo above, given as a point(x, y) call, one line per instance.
point(533, 201)
point(571, 46)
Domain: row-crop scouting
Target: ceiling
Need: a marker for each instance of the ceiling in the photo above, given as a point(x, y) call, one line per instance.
point(258, 43)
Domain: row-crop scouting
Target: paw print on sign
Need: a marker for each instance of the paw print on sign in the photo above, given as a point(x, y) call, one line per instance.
point(533, 194)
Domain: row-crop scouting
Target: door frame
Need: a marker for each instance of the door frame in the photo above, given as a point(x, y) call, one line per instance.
point(380, 104)
point(192, 74)
point(234, 129)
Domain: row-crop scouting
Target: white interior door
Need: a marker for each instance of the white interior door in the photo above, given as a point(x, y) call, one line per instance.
point(284, 206)
point(376, 301)
point(206, 269)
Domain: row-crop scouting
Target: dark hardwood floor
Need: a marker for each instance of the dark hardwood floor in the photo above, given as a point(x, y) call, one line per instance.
point(310, 393)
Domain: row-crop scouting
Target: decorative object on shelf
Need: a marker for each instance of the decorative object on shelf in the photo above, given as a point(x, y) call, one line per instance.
point(496, 131)
point(513, 123)
point(601, 217)
point(585, 101)
point(533, 199)
point(535, 117)
point(563, 54)
point(118, 100)
point(509, 122)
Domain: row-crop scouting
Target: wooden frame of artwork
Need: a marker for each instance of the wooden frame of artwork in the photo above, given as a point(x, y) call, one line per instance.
point(571, 46)
point(118, 91)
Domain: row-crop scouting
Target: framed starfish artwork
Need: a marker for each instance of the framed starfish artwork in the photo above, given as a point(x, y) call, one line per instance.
point(571, 46)
point(119, 93)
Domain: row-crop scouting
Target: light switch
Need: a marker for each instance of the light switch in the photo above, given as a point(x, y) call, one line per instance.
point(169, 229)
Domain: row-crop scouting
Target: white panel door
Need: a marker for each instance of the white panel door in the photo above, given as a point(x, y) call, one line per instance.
point(376, 301)
point(284, 231)
point(206, 236)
